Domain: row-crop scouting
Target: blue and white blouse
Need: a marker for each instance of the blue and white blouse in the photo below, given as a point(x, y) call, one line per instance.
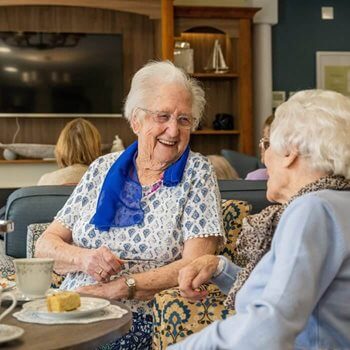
point(172, 215)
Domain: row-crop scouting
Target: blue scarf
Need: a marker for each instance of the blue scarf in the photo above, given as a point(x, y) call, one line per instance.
point(119, 202)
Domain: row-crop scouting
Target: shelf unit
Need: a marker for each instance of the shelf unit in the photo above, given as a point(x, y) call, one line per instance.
point(230, 92)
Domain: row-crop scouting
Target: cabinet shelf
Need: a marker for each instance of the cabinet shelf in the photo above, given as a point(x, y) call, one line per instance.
point(218, 76)
point(27, 161)
point(215, 132)
point(229, 93)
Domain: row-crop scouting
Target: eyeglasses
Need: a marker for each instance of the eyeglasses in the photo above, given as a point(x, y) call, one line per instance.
point(184, 121)
point(264, 143)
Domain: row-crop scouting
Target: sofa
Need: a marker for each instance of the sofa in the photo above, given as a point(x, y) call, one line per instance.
point(4, 194)
point(28, 205)
point(253, 192)
point(241, 162)
point(39, 204)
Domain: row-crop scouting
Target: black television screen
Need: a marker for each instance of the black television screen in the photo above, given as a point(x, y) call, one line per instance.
point(60, 73)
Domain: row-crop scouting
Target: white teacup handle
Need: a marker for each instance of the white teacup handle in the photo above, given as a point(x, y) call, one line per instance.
point(12, 306)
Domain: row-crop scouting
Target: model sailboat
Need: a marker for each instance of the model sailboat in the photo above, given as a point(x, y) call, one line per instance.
point(216, 62)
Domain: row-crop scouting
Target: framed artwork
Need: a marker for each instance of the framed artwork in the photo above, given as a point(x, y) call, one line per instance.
point(333, 71)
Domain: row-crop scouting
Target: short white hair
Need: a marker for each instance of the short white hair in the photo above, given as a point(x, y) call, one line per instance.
point(159, 73)
point(317, 124)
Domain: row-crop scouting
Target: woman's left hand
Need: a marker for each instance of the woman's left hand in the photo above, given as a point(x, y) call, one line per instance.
point(116, 289)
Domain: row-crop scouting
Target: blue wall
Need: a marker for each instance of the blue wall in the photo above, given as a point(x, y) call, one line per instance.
point(301, 32)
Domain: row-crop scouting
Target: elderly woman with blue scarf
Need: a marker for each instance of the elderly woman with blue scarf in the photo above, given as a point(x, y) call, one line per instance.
point(137, 217)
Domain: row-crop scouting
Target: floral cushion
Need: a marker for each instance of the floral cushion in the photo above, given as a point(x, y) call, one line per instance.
point(7, 269)
point(34, 231)
point(175, 317)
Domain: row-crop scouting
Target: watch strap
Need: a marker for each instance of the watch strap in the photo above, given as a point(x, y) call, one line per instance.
point(131, 284)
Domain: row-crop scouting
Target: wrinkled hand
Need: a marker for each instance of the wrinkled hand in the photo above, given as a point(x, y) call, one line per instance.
point(116, 289)
point(101, 264)
point(192, 276)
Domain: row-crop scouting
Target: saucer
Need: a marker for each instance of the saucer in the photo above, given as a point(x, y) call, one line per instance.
point(21, 298)
point(8, 332)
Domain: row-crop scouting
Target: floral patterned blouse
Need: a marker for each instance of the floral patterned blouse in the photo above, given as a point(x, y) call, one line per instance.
point(172, 215)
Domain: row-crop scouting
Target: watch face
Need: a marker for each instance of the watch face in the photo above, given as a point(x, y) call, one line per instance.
point(130, 282)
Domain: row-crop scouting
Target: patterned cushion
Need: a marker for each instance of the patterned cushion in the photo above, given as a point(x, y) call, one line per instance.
point(233, 212)
point(7, 269)
point(34, 231)
point(175, 317)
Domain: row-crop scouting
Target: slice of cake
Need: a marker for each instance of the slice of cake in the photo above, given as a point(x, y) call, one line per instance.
point(63, 301)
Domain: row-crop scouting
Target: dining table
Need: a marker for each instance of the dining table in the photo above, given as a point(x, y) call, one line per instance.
point(67, 336)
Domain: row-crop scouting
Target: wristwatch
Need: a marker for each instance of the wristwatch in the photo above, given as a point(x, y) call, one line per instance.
point(131, 283)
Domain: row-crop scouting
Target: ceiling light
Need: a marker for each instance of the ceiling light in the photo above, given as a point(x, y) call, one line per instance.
point(4, 49)
point(11, 69)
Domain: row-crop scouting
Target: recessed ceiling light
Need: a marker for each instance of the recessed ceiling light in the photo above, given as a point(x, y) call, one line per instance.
point(327, 12)
point(4, 49)
point(11, 69)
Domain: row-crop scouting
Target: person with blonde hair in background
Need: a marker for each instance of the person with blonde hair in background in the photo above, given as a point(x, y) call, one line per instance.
point(222, 167)
point(78, 145)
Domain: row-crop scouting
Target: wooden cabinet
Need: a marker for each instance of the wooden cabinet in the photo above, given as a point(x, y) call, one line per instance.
point(229, 92)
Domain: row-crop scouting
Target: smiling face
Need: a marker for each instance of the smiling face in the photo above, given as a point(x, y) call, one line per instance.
point(162, 144)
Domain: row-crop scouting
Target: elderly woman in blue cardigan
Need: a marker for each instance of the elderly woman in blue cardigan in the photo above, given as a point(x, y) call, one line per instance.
point(137, 217)
point(293, 290)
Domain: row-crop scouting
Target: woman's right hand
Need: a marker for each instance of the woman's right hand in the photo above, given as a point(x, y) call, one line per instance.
point(100, 263)
point(192, 276)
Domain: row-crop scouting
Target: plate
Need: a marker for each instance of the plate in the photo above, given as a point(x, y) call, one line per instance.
point(8, 332)
point(88, 306)
point(6, 285)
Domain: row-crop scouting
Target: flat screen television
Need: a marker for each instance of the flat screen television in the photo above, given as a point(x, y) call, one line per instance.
point(60, 74)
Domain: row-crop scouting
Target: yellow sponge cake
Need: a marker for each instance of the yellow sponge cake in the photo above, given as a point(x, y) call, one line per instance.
point(63, 301)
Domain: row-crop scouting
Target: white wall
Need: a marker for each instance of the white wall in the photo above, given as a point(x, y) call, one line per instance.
point(23, 174)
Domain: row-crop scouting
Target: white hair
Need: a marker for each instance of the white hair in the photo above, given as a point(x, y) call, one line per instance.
point(317, 124)
point(157, 74)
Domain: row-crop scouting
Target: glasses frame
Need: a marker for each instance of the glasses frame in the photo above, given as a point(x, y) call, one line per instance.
point(154, 115)
point(264, 143)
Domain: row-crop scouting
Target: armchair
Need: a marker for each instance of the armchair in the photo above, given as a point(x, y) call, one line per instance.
point(175, 317)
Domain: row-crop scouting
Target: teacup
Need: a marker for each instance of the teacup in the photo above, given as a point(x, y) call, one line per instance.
point(33, 276)
point(13, 304)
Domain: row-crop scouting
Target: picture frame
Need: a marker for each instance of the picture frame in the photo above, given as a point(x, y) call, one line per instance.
point(333, 71)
